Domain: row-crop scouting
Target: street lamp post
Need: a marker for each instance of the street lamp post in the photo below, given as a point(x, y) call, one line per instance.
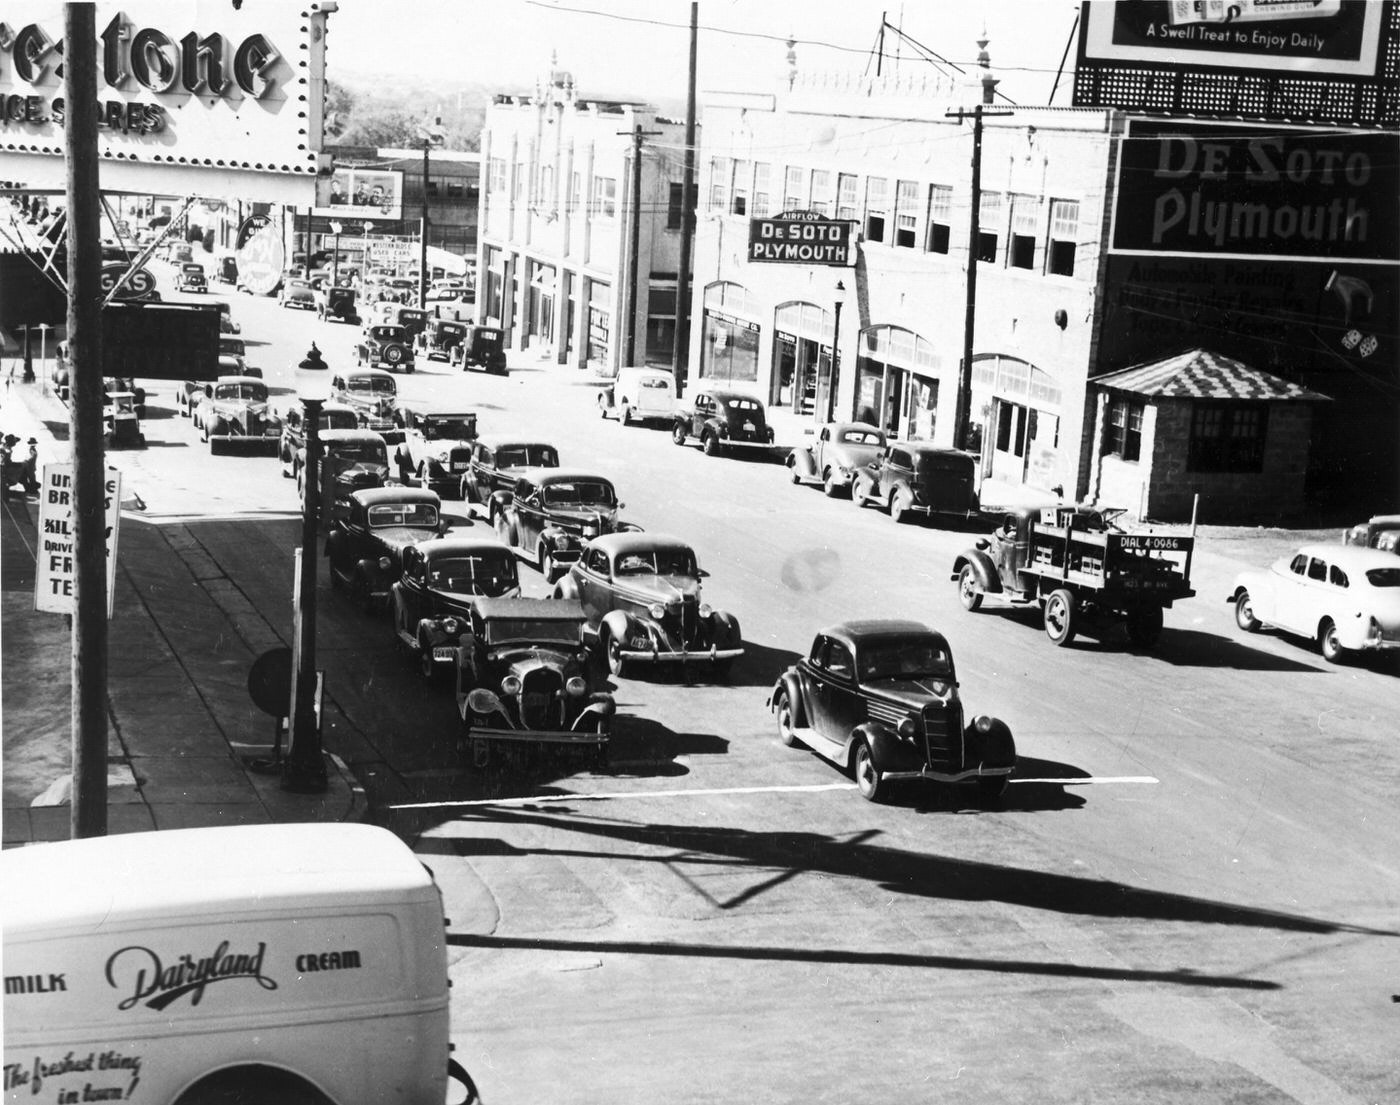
point(304, 769)
point(432, 135)
point(840, 300)
point(336, 228)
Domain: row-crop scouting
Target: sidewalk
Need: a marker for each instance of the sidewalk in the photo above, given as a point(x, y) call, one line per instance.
point(180, 643)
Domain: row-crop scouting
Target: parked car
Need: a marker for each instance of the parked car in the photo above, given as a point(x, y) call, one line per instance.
point(234, 410)
point(721, 420)
point(552, 512)
point(879, 698)
point(442, 580)
point(641, 594)
point(414, 321)
point(440, 338)
point(351, 460)
point(373, 394)
point(839, 451)
point(335, 303)
point(1344, 598)
point(385, 346)
point(233, 356)
point(191, 278)
point(644, 394)
point(911, 478)
point(297, 293)
point(226, 271)
point(121, 426)
point(366, 544)
point(290, 450)
point(523, 684)
point(436, 448)
point(497, 463)
point(482, 347)
point(1381, 532)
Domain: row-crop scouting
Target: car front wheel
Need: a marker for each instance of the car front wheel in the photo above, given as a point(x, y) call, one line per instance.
point(869, 779)
point(969, 593)
point(783, 708)
point(612, 653)
point(1244, 613)
point(710, 444)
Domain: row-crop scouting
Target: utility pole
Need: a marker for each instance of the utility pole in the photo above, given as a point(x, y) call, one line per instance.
point(304, 769)
point(680, 352)
point(635, 233)
point(432, 135)
point(88, 815)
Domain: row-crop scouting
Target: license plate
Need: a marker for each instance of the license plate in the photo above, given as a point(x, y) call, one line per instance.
point(748, 426)
point(444, 652)
point(460, 465)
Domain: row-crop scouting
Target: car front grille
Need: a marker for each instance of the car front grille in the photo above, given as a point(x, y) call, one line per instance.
point(542, 700)
point(943, 735)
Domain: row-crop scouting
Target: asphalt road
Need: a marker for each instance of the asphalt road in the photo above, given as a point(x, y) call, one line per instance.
point(1189, 895)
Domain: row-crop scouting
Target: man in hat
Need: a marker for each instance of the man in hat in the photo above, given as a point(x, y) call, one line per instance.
point(29, 469)
point(8, 468)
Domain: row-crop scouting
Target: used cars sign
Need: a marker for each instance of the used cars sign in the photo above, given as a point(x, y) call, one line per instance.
point(800, 238)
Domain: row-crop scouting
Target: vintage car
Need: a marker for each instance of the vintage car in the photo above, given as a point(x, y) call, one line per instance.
point(523, 683)
point(482, 347)
point(840, 450)
point(643, 394)
point(1381, 532)
point(414, 321)
point(911, 478)
point(1345, 599)
point(351, 460)
point(373, 394)
point(233, 356)
point(191, 278)
point(335, 303)
point(366, 542)
point(552, 512)
point(385, 346)
point(440, 337)
point(879, 698)
point(496, 464)
point(436, 447)
point(290, 450)
point(297, 293)
point(720, 420)
point(234, 410)
point(226, 271)
point(121, 425)
point(442, 579)
point(641, 593)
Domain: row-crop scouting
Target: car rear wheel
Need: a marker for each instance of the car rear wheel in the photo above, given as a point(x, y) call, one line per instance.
point(899, 505)
point(869, 779)
point(1328, 643)
point(1060, 617)
point(969, 592)
point(793, 474)
point(678, 434)
point(602, 405)
point(783, 708)
point(710, 444)
point(1244, 613)
point(830, 488)
point(625, 415)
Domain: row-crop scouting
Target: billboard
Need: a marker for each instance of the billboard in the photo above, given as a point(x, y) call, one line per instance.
point(353, 195)
point(800, 238)
point(198, 97)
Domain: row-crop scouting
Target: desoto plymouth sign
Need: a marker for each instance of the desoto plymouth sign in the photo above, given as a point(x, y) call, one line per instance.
point(800, 238)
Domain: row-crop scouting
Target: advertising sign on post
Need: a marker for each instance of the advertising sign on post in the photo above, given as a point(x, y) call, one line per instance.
point(55, 563)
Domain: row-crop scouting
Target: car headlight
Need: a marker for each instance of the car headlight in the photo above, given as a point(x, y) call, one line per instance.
point(656, 610)
point(575, 687)
point(510, 685)
point(941, 687)
point(907, 729)
point(706, 610)
point(451, 626)
point(385, 563)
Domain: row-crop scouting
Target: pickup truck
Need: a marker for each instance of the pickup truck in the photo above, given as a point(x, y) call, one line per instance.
point(1083, 571)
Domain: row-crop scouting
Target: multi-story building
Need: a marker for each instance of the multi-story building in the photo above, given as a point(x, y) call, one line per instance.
point(560, 225)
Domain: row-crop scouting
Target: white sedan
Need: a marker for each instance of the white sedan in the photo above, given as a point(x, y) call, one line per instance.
point(1344, 598)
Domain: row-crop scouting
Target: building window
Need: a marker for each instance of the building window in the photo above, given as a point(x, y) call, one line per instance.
point(1227, 437)
point(1064, 233)
point(761, 172)
point(821, 193)
point(719, 184)
point(989, 226)
point(575, 193)
point(792, 189)
point(846, 197)
point(675, 203)
point(1124, 432)
point(906, 214)
point(1025, 229)
point(605, 197)
point(520, 177)
point(877, 207)
point(455, 189)
point(497, 175)
point(743, 181)
point(545, 199)
point(940, 215)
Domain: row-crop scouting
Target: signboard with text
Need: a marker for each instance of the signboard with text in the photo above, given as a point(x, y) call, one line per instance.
point(800, 238)
point(55, 561)
point(354, 194)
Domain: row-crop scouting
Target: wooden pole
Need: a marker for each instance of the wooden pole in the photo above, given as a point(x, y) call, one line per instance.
point(680, 353)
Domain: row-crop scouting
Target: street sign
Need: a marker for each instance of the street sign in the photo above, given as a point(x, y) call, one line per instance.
point(56, 563)
point(801, 238)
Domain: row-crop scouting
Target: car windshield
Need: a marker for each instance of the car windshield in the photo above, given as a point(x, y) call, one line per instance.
point(862, 437)
point(448, 429)
point(378, 385)
point(446, 331)
point(361, 452)
point(527, 456)
point(661, 562)
point(490, 573)
point(564, 631)
point(943, 462)
point(1383, 577)
point(387, 333)
point(256, 392)
point(403, 514)
point(338, 420)
point(579, 493)
point(487, 336)
point(904, 658)
point(660, 382)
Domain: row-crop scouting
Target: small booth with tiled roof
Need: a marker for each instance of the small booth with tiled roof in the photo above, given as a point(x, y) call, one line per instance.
point(1199, 423)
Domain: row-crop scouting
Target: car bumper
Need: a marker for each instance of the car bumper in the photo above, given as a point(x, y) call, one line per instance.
point(682, 656)
point(926, 772)
point(539, 736)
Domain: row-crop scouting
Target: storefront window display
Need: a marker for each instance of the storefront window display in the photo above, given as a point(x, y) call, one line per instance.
point(730, 335)
point(801, 349)
point(897, 382)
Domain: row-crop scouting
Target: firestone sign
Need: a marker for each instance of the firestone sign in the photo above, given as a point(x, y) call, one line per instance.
point(800, 238)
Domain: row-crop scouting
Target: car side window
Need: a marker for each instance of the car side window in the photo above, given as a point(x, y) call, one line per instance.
point(1337, 577)
point(825, 435)
point(839, 661)
point(818, 647)
point(596, 561)
point(1299, 567)
point(1317, 569)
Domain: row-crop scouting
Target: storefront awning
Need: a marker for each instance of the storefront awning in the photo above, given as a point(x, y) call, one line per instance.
point(1201, 374)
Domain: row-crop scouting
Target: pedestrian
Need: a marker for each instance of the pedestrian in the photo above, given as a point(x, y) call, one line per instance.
point(8, 469)
point(29, 470)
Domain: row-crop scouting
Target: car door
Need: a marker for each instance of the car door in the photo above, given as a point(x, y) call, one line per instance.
point(699, 413)
point(826, 695)
point(481, 477)
point(819, 450)
point(594, 578)
point(1317, 597)
point(529, 515)
point(411, 605)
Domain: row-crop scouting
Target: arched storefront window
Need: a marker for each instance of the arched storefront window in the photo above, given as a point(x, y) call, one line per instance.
point(899, 384)
point(1020, 405)
point(729, 350)
point(801, 356)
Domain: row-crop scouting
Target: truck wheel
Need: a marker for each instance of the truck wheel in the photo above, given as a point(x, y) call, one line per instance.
point(1327, 642)
point(783, 707)
point(1145, 626)
point(1244, 614)
point(969, 593)
point(869, 780)
point(1061, 617)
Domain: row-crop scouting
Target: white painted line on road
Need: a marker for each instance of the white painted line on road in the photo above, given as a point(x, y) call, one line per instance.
point(1093, 779)
point(624, 794)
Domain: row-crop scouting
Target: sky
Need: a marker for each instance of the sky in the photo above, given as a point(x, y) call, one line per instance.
point(638, 48)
